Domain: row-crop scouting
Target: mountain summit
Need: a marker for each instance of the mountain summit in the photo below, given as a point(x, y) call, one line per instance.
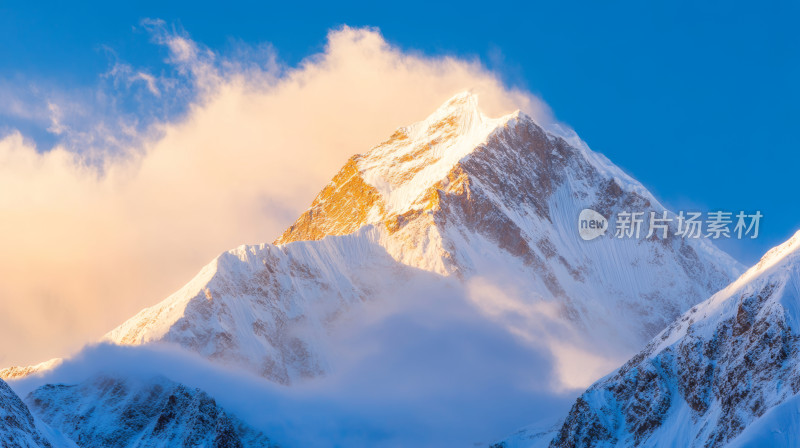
point(397, 178)
point(460, 197)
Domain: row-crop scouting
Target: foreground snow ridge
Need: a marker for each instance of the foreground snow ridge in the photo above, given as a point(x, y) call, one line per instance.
point(726, 372)
point(19, 428)
point(112, 412)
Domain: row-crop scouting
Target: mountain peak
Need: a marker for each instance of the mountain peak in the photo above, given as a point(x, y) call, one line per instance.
point(418, 156)
point(457, 195)
point(398, 175)
point(460, 112)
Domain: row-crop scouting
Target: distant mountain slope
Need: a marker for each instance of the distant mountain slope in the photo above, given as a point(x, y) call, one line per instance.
point(459, 196)
point(126, 413)
point(727, 371)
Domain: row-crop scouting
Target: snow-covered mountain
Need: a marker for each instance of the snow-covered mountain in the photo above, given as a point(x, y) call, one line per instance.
point(461, 197)
point(111, 412)
point(727, 372)
point(19, 428)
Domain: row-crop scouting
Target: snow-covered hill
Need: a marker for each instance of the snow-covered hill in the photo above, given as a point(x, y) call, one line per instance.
point(726, 372)
point(491, 203)
point(114, 412)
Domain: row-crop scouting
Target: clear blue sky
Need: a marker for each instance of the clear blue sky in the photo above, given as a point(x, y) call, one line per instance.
point(698, 102)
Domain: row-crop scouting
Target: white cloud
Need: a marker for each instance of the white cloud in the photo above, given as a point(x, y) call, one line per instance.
point(124, 73)
point(421, 367)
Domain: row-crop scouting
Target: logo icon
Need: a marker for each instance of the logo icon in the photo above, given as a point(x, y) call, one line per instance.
point(591, 224)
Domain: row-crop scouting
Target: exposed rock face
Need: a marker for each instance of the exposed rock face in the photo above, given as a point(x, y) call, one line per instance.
point(115, 413)
point(17, 426)
point(457, 195)
point(710, 375)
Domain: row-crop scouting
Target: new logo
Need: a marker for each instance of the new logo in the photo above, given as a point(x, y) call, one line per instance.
point(591, 224)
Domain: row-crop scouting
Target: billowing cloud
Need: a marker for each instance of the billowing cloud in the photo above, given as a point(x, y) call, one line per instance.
point(117, 216)
point(421, 367)
point(577, 361)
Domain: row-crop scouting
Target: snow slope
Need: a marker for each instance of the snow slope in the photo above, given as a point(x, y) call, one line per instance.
point(490, 202)
point(267, 308)
point(725, 373)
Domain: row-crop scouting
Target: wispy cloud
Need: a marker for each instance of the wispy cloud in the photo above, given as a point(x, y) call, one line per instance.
point(123, 73)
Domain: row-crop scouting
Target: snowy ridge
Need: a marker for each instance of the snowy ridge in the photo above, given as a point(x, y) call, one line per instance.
point(125, 413)
point(777, 258)
point(726, 369)
point(19, 428)
point(268, 308)
point(778, 266)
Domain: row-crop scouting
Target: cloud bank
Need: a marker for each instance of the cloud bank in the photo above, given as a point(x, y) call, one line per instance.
point(422, 367)
point(118, 215)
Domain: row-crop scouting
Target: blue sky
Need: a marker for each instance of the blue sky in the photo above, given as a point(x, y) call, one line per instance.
point(698, 102)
